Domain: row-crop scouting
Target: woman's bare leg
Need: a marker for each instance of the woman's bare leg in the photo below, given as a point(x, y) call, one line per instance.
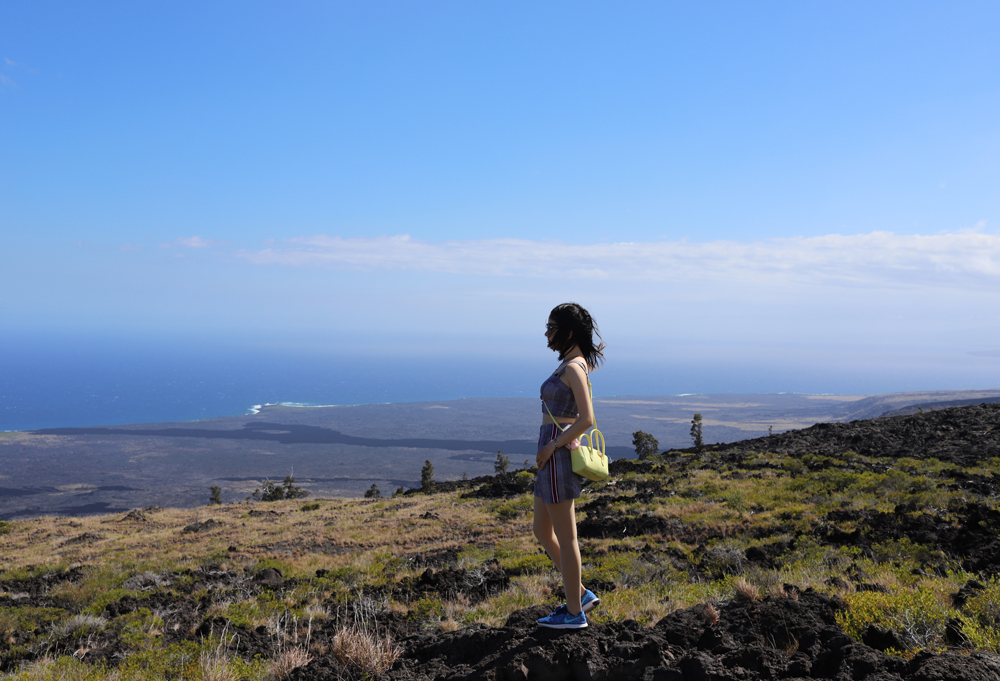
point(543, 533)
point(561, 518)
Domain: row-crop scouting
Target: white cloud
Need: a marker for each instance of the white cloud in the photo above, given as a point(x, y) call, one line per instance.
point(192, 242)
point(7, 81)
point(963, 258)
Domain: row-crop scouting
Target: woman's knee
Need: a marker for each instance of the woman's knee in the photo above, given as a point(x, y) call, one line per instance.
point(542, 530)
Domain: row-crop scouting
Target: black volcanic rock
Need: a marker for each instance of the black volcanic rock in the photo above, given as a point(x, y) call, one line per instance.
point(774, 638)
point(960, 435)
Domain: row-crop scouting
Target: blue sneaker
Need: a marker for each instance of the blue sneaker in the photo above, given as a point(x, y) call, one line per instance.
point(564, 620)
point(587, 603)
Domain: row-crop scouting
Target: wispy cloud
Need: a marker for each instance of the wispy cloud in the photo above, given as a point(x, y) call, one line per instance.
point(13, 64)
point(959, 258)
point(192, 242)
point(7, 81)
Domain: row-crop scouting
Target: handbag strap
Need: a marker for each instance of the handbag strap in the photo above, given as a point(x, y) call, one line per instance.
point(591, 388)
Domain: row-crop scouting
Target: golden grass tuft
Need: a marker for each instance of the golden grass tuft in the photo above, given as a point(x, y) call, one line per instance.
point(216, 665)
point(287, 660)
point(745, 591)
point(365, 651)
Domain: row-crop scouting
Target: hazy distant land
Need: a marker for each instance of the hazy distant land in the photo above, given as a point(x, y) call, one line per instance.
point(342, 451)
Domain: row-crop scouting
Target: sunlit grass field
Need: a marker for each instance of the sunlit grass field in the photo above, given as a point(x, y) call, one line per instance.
point(339, 553)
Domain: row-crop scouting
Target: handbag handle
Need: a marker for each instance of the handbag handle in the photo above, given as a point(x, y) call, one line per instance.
point(595, 440)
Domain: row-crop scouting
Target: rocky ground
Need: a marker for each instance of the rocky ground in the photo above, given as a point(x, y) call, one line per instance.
point(962, 436)
point(943, 521)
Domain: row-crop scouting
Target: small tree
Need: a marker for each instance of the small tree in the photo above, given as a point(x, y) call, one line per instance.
point(501, 464)
point(269, 491)
point(373, 492)
point(216, 497)
point(645, 444)
point(272, 491)
point(292, 491)
point(427, 476)
point(696, 432)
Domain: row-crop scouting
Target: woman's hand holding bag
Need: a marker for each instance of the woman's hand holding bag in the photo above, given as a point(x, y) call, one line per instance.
point(589, 460)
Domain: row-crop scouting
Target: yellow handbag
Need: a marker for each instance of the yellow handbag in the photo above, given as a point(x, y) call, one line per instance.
point(588, 460)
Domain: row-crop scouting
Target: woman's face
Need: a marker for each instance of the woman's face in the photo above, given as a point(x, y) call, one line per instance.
point(550, 328)
point(550, 331)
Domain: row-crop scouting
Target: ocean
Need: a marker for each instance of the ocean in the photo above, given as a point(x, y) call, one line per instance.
point(90, 384)
point(91, 381)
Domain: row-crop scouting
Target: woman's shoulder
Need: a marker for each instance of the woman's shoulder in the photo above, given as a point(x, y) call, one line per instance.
point(577, 367)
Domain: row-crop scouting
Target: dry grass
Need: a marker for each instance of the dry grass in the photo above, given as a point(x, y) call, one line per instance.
point(287, 660)
point(306, 540)
point(746, 591)
point(215, 666)
point(647, 604)
point(365, 651)
point(367, 543)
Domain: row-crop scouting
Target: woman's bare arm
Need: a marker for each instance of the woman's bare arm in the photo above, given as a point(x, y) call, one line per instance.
point(576, 378)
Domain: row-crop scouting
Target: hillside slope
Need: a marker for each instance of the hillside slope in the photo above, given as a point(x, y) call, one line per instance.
point(866, 551)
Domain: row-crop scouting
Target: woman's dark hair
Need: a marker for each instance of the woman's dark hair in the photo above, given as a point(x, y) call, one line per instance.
point(576, 327)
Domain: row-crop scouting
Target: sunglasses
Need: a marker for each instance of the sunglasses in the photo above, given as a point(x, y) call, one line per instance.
point(549, 328)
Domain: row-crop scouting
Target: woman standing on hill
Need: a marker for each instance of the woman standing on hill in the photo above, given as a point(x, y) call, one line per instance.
point(567, 413)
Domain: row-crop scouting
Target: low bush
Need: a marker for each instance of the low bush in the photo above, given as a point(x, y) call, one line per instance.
point(916, 616)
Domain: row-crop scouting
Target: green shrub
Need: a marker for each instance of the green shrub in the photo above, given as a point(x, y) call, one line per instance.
point(906, 551)
point(102, 599)
point(524, 479)
point(281, 566)
point(608, 568)
point(426, 609)
point(310, 507)
point(347, 575)
point(473, 556)
point(980, 618)
point(176, 661)
point(6, 527)
point(29, 619)
point(527, 564)
point(31, 572)
point(515, 509)
point(251, 614)
point(100, 585)
point(138, 629)
point(516, 561)
point(384, 566)
point(915, 616)
point(62, 667)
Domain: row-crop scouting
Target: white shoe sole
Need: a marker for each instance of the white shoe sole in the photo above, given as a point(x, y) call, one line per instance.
point(564, 626)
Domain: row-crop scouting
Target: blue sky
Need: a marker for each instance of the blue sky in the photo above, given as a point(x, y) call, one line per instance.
point(800, 184)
